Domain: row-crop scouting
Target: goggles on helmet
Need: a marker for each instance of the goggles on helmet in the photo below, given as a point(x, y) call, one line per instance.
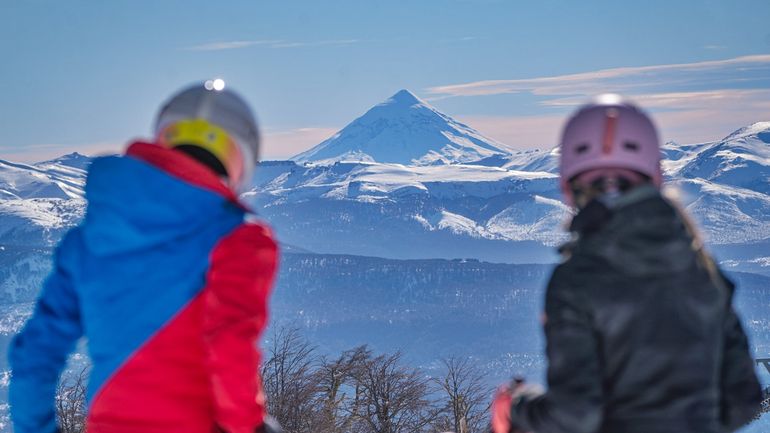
point(205, 135)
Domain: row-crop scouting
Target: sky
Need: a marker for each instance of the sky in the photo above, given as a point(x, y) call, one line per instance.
point(89, 76)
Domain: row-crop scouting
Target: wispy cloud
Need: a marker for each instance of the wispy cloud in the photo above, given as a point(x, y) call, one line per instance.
point(685, 117)
point(703, 125)
point(685, 126)
point(692, 102)
point(229, 45)
point(275, 44)
point(314, 44)
point(454, 40)
point(518, 131)
point(718, 98)
point(622, 79)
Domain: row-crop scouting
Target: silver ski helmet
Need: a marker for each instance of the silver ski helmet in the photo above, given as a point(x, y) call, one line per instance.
point(608, 133)
point(211, 117)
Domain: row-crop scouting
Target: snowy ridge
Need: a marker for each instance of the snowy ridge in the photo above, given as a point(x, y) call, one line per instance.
point(526, 160)
point(351, 180)
point(472, 209)
point(39, 202)
point(504, 197)
point(404, 130)
point(50, 180)
point(727, 214)
point(741, 159)
point(470, 201)
point(72, 160)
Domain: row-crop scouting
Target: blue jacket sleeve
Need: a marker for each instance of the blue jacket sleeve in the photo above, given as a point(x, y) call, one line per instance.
point(39, 352)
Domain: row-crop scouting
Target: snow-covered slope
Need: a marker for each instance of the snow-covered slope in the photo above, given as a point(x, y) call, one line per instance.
point(39, 202)
point(526, 160)
point(466, 210)
point(50, 180)
point(742, 159)
point(503, 207)
point(726, 214)
point(405, 130)
point(396, 211)
point(367, 180)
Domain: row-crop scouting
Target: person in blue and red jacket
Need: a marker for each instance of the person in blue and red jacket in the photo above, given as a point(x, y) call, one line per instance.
point(167, 281)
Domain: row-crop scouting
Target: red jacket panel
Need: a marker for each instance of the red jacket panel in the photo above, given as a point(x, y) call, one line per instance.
point(202, 368)
point(242, 271)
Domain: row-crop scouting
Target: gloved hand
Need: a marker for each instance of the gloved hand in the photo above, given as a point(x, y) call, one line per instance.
point(269, 425)
point(506, 397)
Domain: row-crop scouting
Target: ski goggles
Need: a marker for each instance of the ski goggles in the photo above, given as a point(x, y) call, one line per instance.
point(207, 136)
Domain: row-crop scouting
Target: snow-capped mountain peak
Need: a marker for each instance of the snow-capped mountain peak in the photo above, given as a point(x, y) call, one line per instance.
point(404, 129)
point(741, 159)
point(74, 160)
point(405, 97)
point(758, 130)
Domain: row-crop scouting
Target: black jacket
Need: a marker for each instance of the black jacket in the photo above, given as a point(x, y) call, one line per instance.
point(641, 337)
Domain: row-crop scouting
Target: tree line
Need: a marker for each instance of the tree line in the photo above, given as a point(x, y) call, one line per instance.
point(356, 391)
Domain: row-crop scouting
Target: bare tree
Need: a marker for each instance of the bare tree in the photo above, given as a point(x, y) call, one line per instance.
point(392, 398)
point(467, 397)
point(337, 400)
point(289, 381)
point(358, 392)
point(71, 403)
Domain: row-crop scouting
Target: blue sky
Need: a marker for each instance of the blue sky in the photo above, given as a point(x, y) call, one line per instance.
point(89, 76)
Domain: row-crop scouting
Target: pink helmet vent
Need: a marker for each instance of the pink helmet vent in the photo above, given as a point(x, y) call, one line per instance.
point(609, 130)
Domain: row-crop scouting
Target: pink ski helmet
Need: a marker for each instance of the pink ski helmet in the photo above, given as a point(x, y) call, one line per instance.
point(609, 133)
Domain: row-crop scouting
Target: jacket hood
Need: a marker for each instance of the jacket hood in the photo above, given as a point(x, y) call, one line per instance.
point(133, 205)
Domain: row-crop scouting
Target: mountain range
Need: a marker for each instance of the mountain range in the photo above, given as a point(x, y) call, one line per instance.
point(406, 181)
point(502, 207)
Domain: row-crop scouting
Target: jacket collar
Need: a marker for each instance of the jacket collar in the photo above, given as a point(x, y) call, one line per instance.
point(183, 167)
point(600, 210)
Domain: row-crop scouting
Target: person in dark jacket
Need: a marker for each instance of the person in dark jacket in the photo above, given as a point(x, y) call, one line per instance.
point(167, 276)
point(640, 329)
